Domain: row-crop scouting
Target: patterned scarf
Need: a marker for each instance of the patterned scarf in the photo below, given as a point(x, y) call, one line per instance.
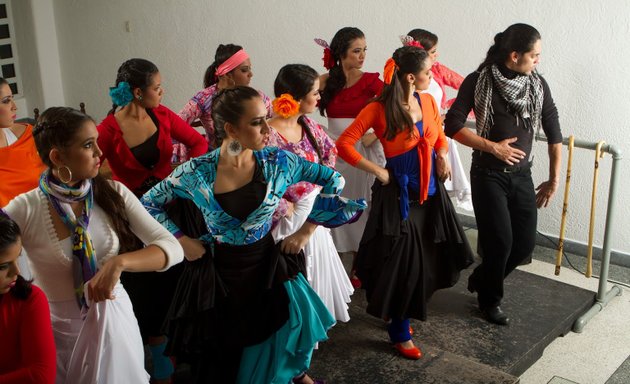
point(84, 259)
point(523, 94)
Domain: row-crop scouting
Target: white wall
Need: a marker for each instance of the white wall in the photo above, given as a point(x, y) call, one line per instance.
point(28, 60)
point(585, 55)
point(39, 54)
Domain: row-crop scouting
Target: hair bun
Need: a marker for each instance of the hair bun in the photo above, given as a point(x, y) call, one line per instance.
point(498, 38)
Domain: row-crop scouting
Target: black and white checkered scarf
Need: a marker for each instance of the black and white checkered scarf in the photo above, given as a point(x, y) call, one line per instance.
point(523, 94)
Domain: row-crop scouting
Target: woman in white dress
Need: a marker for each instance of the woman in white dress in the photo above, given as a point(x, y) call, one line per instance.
point(346, 89)
point(297, 92)
point(81, 232)
point(458, 185)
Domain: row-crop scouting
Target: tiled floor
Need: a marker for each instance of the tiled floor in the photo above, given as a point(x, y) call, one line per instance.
point(592, 356)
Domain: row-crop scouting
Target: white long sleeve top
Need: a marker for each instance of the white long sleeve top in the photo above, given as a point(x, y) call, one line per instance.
point(51, 260)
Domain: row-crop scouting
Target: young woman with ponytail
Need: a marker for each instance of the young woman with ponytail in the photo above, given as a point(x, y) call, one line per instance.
point(512, 102)
point(458, 186)
point(297, 92)
point(80, 233)
point(413, 243)
point(346, 89)
point(243, 311)
point(231, 67)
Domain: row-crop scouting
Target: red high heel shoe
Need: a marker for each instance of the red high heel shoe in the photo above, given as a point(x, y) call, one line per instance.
point(412, 353)
point(354, 280)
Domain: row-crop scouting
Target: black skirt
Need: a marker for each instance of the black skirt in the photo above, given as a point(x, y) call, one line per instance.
point(231, 298)
point(402, 262)
point(151, 293)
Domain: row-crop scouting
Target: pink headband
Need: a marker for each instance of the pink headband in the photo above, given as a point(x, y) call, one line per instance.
point(234, 61)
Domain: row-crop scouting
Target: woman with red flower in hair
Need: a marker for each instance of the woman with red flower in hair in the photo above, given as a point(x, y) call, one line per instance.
point(346, 89)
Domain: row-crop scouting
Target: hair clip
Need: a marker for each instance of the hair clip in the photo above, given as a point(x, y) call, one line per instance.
point(409, 41)
point(388, 71)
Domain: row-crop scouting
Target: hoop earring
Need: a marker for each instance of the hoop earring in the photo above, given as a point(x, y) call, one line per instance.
point(234, 148)
point(69, 179)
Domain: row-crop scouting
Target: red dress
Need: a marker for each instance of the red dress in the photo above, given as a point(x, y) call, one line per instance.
point(350, 101)
point(341, 111)
point(28, 348)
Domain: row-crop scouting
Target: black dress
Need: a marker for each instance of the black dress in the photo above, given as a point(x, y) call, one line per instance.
point(231, 298)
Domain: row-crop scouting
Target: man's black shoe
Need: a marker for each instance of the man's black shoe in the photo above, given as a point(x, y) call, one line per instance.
point(495, 315)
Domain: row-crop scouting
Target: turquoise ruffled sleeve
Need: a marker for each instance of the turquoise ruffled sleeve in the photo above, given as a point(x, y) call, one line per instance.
point(330, 209)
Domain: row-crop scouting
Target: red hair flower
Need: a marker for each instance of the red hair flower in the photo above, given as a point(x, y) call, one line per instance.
point(328, 59)
point(285, 106)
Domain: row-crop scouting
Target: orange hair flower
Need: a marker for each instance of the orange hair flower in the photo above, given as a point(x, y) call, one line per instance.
point(285, 105)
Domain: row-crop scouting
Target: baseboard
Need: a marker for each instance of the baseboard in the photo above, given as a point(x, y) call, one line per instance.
point(570, 246)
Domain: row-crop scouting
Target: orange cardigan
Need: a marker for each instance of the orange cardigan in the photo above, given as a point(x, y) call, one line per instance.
point(373, 116)
point(20, 167)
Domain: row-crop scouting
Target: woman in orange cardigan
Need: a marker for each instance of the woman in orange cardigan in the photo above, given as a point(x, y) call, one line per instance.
point(20, 165)
point(413, 243)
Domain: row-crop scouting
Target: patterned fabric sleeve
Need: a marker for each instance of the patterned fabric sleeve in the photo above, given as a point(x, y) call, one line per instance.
point(330, 209)
point(180, 183)
point(267, 102)
point(293, 192)
point(190, 112)
point(183, 133)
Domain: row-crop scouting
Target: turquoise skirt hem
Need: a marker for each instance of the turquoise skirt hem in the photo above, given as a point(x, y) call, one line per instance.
point(287, 353)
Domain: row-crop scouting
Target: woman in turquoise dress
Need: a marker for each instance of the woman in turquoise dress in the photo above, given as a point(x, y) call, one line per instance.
point(243, 311)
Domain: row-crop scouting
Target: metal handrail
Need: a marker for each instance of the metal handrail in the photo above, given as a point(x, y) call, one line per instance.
point(603, 297)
